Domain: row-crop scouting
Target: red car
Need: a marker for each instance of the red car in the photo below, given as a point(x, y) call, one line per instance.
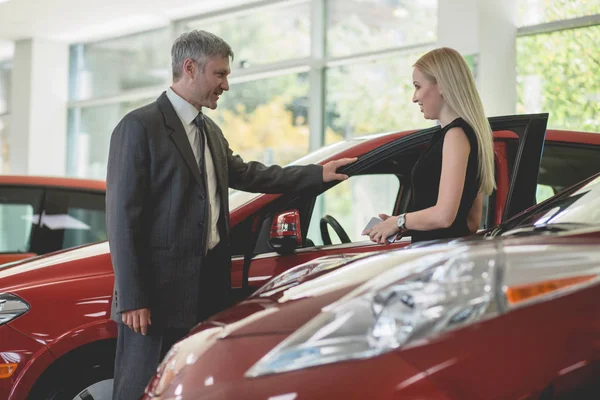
point(56, 338)
point(510, 314)
point(39, 215)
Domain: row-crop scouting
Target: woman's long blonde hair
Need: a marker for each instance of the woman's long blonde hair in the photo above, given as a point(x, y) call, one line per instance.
point(447, 68)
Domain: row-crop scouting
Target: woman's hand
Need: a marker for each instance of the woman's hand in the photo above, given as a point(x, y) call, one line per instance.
point(380, 232)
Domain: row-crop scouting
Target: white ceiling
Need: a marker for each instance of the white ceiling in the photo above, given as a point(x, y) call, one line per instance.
point(85, 20)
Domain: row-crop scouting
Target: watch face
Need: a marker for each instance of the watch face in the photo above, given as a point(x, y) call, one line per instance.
point(401, 221)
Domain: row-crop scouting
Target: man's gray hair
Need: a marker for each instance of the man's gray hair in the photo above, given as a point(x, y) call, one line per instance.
point(199, 46)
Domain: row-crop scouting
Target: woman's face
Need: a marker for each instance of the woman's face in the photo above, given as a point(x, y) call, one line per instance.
point(427, 95)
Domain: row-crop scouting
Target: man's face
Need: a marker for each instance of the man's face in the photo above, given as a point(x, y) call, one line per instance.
point(209, 83)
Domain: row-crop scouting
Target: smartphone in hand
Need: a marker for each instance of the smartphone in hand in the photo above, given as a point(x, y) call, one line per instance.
point(374, 221)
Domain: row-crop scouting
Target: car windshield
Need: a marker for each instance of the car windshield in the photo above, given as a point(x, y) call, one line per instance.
point(575, 208)
point(238, 198)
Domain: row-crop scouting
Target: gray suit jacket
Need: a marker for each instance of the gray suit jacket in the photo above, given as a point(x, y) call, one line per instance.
point(155, 208)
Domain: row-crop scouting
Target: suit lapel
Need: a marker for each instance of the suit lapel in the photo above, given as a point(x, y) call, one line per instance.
point(178, 135)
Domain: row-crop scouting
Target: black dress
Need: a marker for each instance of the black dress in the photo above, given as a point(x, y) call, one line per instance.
point(426, 183)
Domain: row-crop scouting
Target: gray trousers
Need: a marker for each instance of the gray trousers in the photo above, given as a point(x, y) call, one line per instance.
point(137, 358)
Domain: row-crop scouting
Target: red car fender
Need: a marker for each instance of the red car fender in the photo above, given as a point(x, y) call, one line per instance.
point(84, 335)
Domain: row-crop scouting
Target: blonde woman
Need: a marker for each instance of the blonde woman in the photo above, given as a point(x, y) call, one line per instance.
point(457, 167)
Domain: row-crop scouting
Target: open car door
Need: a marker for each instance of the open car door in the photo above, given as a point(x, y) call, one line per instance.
point(518, 146)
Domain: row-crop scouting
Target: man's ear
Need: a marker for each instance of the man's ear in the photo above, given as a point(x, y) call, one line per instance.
point(190, 68)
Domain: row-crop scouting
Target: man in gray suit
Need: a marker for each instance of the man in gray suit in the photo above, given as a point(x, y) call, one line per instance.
point(167, 207)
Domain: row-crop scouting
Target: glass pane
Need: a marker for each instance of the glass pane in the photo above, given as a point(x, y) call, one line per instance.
point(533, 12)
point(266, 120)
point(565, 165)
point(558, 73)
point(543, 192)
point(579, 207)
point(19, 212)
point(371, 98)
point(5, 84)
point(356, 26)
point(114, 66)
point(4, 126)
point(93, 227)
point(19, 218)
point(353, 203)
point(89, 136)
point(75, 218)
point(256, 39)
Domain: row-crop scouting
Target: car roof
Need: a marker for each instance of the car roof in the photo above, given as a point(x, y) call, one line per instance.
point(53, 182)
point(557, 135)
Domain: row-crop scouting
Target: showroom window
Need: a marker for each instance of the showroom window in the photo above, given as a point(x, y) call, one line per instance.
point(255, 38)
point(374, 95)
point(89, 136)
point(267, 119)
point(371, 97)
point(534, 12)
point(295, 84)
point(358, 26)
point(558, 64)
point(116, 66)
point(108, 79)
point(265, 114)
point(5, 86)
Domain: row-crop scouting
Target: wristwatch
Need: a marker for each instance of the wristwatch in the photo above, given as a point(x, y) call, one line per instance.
point(402, 222)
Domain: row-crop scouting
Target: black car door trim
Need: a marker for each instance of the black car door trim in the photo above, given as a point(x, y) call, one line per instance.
point(530, 129)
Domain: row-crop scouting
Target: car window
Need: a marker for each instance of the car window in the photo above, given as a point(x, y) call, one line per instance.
point(579, 207)
point(238, 198)
point(543, 192)
point(353, 203)
point(72, 218)
point(18, 207)
point(563, 165)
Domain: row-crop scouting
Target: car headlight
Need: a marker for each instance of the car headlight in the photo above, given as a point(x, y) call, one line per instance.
point(11, 307)
point(402, 307)
point(293, 276)
point(183, 353)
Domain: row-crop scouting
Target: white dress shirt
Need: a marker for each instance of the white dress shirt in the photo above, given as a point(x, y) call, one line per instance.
point(187, 113)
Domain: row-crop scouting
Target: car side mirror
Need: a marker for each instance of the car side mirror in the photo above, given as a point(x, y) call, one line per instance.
point(286, 235)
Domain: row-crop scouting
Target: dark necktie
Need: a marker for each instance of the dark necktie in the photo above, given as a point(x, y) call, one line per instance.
point(198, 121)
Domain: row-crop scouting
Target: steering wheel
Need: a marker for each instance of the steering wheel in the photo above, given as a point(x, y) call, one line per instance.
point(328, 219)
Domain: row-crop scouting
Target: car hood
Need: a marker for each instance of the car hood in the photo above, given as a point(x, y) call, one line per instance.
point(284, 307)
point(69, 264)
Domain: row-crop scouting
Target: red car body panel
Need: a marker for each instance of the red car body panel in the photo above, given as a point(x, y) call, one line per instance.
point(512, 356)
point(521, 356)
point(32, 359)
point(6, 258)
point(53, 182)
point(355, 380)
point(79, 282)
